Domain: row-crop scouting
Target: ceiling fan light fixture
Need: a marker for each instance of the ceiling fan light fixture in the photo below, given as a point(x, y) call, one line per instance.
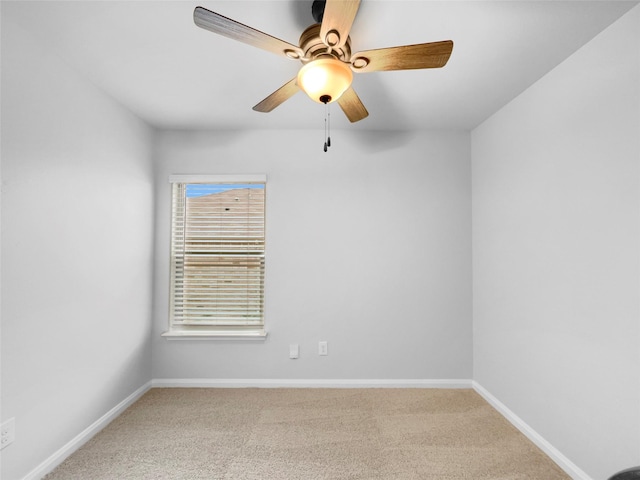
point(325, 77)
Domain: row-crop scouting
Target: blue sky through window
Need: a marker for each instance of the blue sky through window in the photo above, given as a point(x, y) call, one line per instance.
point(201, 189)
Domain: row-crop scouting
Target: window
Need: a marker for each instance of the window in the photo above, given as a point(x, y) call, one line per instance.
point(217, 256)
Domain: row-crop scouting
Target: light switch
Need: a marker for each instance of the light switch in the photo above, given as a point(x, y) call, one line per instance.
point(294, 350)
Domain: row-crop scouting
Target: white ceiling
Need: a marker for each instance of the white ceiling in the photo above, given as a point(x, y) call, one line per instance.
point(150, 57)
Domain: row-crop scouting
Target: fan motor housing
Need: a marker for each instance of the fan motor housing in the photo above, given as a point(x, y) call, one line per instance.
point(313, 46)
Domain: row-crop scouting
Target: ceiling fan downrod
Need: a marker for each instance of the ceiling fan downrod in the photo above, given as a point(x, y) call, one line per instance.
point(317, 10)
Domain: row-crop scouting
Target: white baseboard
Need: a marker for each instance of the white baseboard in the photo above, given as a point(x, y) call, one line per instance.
point(83, 437)
point(563, 462)
point(308, 383)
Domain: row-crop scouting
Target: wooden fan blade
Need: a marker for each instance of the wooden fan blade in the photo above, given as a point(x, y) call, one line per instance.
point(337, 20)
point(407, 57)
point(352, 106)
point(284, 93)
point(216, 23)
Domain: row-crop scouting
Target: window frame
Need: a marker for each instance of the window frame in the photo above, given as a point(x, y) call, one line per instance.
point(178, 331)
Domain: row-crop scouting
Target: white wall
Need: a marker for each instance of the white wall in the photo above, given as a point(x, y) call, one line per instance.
point(368, 248)
point(77, 226)
point(556, 242)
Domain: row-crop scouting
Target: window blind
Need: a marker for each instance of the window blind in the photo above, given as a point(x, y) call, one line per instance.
point(217, 255)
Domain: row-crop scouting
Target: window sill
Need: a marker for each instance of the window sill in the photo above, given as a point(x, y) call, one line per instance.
point(256, 335)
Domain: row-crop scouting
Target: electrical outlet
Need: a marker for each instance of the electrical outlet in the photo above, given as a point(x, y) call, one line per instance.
point(294, 351)
point(8, 430)
point(322, 348)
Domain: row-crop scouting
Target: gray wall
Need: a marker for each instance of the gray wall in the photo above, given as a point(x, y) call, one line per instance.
point(556, 253)
point(368, 248)
point(77, 217)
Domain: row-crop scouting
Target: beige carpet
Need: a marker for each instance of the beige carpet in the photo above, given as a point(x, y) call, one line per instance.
point(315, 434)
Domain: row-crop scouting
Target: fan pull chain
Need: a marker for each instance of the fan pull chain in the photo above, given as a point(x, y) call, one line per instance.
point(329, 127)
point(327, 121)
point(325, 130)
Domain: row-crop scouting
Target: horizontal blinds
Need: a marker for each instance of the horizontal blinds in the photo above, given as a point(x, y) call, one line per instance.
point(217, 251)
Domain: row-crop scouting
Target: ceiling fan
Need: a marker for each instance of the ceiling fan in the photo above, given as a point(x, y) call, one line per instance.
point(325, 51)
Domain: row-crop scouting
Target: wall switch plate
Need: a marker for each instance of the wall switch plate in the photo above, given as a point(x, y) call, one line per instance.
point(8, 430)
point(294, 350)
point(322, 348)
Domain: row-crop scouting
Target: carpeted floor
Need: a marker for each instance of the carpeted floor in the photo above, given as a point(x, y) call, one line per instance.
point(314, 434)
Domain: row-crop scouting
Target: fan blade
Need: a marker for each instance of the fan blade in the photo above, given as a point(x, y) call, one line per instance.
point(337, 20)
point(216, 23)
point(284, 93)
point(407, 57)
point(352, 106)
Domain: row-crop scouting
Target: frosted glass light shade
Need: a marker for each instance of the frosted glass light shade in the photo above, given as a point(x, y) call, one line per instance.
point(325, 77)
